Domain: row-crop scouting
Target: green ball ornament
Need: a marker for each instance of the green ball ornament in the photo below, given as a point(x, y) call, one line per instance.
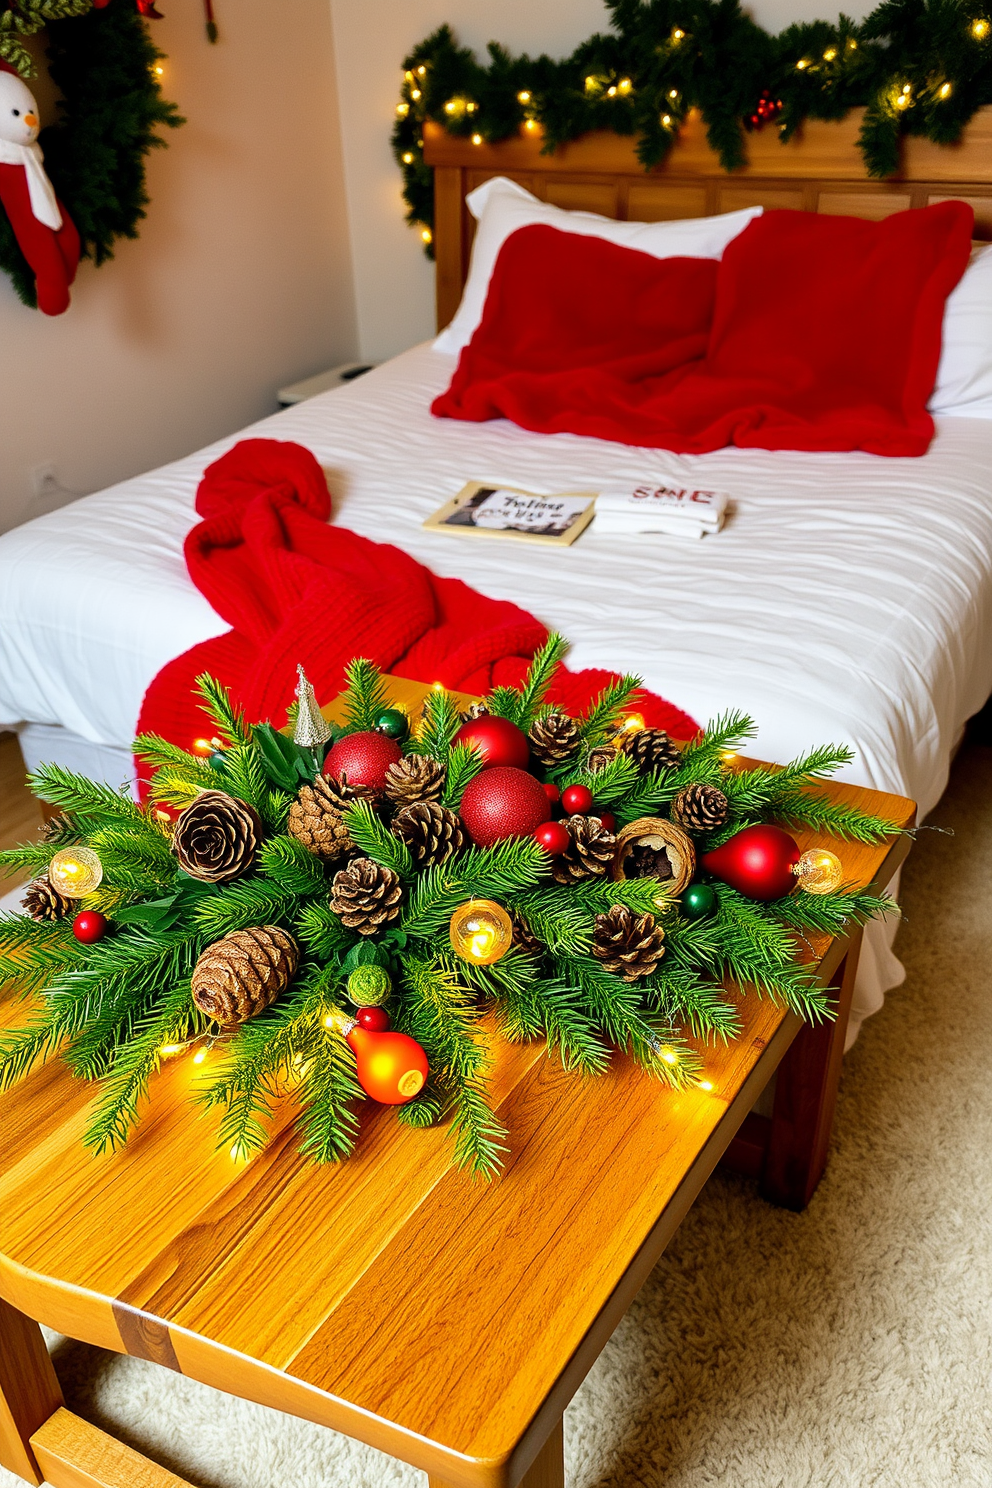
point(368, 986)
point(393, 723)
point(698, 901)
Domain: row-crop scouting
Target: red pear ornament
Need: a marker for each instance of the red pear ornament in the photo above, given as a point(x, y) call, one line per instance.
point(757, 862)
point(391, 1067)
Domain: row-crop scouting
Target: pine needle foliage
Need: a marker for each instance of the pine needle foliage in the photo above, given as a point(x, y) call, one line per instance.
point(114, 1010)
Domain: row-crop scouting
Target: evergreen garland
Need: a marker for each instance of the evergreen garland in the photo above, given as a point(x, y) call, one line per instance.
point(115, 1009)
point(110, 106)
point(920, 67)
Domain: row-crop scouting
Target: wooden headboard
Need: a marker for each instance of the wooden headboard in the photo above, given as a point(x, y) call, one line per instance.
point(820, 170)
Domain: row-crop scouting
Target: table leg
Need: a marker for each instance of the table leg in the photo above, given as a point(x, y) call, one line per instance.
point(805, 1097)
point(546, 1471)
point(29, 1390)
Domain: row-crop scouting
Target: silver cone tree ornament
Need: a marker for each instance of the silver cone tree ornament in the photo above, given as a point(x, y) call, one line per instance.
point(312, 729)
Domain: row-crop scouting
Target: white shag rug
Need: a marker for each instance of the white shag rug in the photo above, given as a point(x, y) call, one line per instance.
point(847, 1347)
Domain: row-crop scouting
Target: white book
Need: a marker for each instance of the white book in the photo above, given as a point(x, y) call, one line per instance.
point(650, 508)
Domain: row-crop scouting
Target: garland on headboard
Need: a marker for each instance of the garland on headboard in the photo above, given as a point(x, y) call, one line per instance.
point(918, 67)
point(106, 68)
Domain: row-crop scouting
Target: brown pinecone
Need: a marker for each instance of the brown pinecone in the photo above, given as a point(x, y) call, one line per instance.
point(553, 737)
point(590, 852)
point(316, 821)
point(473, 711)
point(416, 777)
point(366, 895)
point(431, 832)
point(239, 976)
point(43, 902)
point(629, 945)
point(650, 749)
point(600, 757)
point(700, 808)
point(217, 838)
point(341, 795)
point(60, 828)
point(524, 937)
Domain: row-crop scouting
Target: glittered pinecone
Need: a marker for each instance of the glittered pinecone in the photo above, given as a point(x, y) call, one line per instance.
point(316, 820)
point(700, 808)
point(629, 945)
point(590, 852)
point(524, 937)
point(239, 976)
point(430, 831)
point(216, 838)
point(416, 777)
point(366, 895)
point(650, 749)
point(553, 737)
point(43, 902)
point(600, 757)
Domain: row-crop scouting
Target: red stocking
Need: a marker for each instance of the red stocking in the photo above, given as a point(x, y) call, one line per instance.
point(53, 256)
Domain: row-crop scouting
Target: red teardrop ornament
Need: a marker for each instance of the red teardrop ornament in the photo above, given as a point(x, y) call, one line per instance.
point(498, 740)
point(756, 862)
point(391, 1067)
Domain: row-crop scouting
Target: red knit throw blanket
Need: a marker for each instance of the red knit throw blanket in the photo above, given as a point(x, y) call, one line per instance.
point(294, 589)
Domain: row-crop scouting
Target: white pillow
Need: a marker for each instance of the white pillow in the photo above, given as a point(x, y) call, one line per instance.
point(501, 207)
point(964, 377)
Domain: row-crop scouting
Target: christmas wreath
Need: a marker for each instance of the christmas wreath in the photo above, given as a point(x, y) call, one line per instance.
point(355, 911)
point(103, 63)
point(918, 67)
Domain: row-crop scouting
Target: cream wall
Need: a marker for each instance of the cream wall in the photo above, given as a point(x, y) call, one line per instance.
point(393, 280)
point(239, 282)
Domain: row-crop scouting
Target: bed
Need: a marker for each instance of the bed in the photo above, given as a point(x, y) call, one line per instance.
point(848, 598)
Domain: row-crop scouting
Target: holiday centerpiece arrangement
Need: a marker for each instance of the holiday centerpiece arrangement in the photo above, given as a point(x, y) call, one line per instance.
point(360, 910)
point(920, 67)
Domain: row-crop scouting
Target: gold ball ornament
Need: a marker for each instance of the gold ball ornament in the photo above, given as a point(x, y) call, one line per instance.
point(75, 872)
point(819, 871)
point(481, 931)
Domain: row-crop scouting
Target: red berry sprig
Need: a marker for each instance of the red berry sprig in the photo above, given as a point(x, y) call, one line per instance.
point(576, 800)
point(553, 837)
point(89, 926)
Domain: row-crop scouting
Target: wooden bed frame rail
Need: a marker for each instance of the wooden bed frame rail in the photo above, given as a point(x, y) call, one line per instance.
point(820, 170)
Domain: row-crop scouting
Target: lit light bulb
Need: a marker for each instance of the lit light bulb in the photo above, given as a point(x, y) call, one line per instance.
point(199, 1056)
point(470, 108)
point(673, 93)
point(415, 93)
point(706, 1085)
point(802, 63)
point(421, 71)
point(980, 29)
point(477, 139)
point(624, 86)
point(437, 687)
point(408, 76)
point(830, 54)
point(158, 70)
point(531, 124)
point(202, 746)
point(611, 92)
point(75, 872)
point(945, 91)
point(592, 84)
point(426, 235)
point(669, 1056)
point(480, 931)
point(407, 157)
point(168, 1050)
point(819, 871)
point(632, 723)
point(666, 119)
point(402, 109)
point(678, 34)
point(523, 97)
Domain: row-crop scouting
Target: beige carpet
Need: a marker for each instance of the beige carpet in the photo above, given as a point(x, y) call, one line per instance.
point(848, 1347)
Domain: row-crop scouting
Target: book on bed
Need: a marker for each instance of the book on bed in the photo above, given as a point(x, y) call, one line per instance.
point(488, 509)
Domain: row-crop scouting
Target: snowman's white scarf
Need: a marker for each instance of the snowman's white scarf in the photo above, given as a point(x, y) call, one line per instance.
point(42, 197)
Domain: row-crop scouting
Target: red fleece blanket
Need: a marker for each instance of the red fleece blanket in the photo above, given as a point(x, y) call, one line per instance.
point(294, 589)
point(813, 333)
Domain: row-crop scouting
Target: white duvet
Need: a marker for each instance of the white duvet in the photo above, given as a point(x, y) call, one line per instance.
point(848, 598)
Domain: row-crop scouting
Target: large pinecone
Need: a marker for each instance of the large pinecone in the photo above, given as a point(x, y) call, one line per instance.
point(316, 820)
point(431, 832)
point(553, 737)
point(416, 777)
point(44, 902)
point(217, 838)
point(650, 749)
point(600, 757)
point(589, 853)
point(629, 945)
point(366, 895)
point(700, 808)
point(239, 976)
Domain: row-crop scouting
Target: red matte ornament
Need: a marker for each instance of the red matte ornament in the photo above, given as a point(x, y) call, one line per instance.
point(553, 837)
point(576, 800)
point(364, 758)
point(757, 862)
point(498, 740)
point(391, 1067)
point(89, 926)
point(375, 1019)
point(503, 802)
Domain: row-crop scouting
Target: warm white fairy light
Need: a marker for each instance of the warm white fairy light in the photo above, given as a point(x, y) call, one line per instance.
point(802, 64)
point(666, 120)
point(678, 34)
point(477, 139)
point(830, 54)
point(199, 1056)
point(673, 93)
point(669, 1056)
point(611, 92)
point(523, 96)
point(408, 157)
point(426, 235)
point(980, 29)
point(415, 93)
point(624, 86)
point(402, 109)
point(945, 90)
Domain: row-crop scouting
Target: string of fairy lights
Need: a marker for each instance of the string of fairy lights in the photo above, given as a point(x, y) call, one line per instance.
point(921, 69)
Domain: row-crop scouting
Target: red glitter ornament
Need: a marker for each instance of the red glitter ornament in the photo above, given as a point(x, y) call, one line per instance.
point(757, 862)
point(553, 837)
point(503, 802)
point(364, 758)
point(89, 926)
point(498, 740)
point(576, 800)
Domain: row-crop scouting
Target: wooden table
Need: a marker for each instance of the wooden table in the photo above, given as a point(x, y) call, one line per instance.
point(446, 1322)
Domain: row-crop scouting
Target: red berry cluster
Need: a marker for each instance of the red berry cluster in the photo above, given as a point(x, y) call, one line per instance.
point(768, 108)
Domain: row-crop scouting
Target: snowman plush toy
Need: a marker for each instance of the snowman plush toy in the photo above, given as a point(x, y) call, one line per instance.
point(46, 235)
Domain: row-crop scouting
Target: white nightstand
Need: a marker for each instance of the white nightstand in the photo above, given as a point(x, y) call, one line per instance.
point(298, 392)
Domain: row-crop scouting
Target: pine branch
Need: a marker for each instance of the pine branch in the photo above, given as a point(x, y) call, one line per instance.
point(71, 792)
point(464, 763)
point(159, 753)
point(597, 722)
point(614, 1006)
point(252, 901)
point(327, 1089)
point(683, 997)
point(539, 678)
point(30, 857)
point(323, 933)
point(618, 780)
point(724, 736)
point(222, 711)
point(652, 791)
point(293, 868)
point(376, 841)
point(559, 923)
point(245, 777)
point(439, 724)
point(499, 873)
point(504, 702)
point(365, 697)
